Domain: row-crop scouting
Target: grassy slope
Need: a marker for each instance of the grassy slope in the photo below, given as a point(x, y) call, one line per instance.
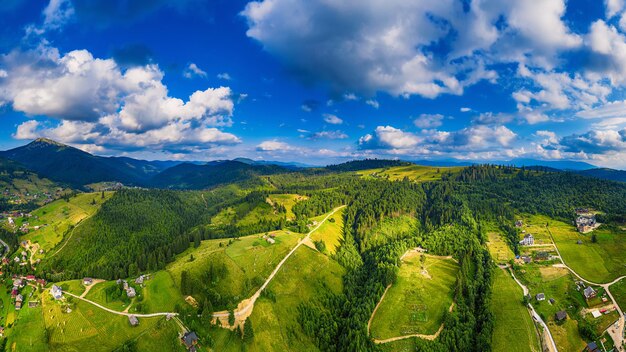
point(249, 257)
point(306, 275)
point(415, 173)
point(88, 328)
point(287, 200)
point(498, 248)
point(98, 295)
point(556, 283)
point(330, 232)
point(59, 216)
point(598, 262)
point(415, 304)
point(514, 330)
point(390, 228)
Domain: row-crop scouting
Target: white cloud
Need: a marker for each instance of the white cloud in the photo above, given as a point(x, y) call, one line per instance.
point(57, 13)
point(98, 101)
point(464, 109)
point(373, 103)
point(193, 70)
point(274, 146)
point(549, 137)
point(332, 119)
point(328, 135)
point(388, 137)
point(224, 75)
point(378, 45)
point(428, 121)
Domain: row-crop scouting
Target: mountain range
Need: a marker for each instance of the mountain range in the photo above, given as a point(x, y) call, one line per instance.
point(77, 168)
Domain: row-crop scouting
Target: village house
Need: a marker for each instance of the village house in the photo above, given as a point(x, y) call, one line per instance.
point(560, 315)
point(519, 223)
point(30, 277)
point(130, 292)
point(592, 347)
point(589, 293)
point(56, 292)
point(528, 240)
point(540, 297)
point(190, 339)
point(18, 302)
point(270, 240)
point(87, 281)
point(585, 223)
point(133, 320)
point(526, 259)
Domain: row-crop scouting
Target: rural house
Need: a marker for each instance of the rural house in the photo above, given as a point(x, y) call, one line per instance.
point(519, 223)
point(18, 302)
point(87, 281)
point(190, 339)
point(540, 297)
point(592, 347)
point(133, 320)
point(528, 240)
point(589, 292)
point(130, 292)
point(56, 292)
point(560, 315)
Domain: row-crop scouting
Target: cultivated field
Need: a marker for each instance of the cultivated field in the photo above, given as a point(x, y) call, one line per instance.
point(498, 248)
point(419, 299)
point(514, 330)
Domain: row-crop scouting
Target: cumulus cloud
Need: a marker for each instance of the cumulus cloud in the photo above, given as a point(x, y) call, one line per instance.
point(97, 101)
point(332, 119)
point(388, 137)
point(428, 120)
point(274, 146)
point(193, 70)
point(375, 45)
point(595, 142)
point(337, 134)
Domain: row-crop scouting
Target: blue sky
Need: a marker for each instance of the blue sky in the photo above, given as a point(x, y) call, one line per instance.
point(318, 81)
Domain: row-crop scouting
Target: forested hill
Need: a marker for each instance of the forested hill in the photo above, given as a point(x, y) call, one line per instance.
point(356, 165)
point(66, 164)
point(193, 176)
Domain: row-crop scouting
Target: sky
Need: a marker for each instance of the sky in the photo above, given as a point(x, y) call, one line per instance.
point(318, 81)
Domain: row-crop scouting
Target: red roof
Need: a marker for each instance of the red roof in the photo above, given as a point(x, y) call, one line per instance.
point(30, 277)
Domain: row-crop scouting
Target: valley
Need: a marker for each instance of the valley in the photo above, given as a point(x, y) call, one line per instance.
point(376, 257)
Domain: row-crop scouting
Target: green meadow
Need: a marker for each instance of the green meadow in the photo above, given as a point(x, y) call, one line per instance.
point(416, 173)
point(418, 301)
point(330, 232)
point(514, 329)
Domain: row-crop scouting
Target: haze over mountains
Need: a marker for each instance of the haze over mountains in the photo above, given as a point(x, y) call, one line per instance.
point(72, 166)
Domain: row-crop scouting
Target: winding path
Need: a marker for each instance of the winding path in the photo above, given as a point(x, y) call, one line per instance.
point(245, 307)
point(150, 315)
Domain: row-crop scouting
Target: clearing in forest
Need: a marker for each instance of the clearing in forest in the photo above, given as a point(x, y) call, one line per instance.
point(416, 173)
point(419, 299)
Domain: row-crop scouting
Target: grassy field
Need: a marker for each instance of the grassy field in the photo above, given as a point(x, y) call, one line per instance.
point(286, 200)
point(247, 261)
point(160, 293)
point(598, 262)
point(28, 332)
point(59, 216)
point(416, 173)
point(558, 284)
point(304, 277)
point(73, 286)
point(514, 329)
point(417, 302)
point(98, 295)
point(330, 232)
point(498, 248)
point(88, 328)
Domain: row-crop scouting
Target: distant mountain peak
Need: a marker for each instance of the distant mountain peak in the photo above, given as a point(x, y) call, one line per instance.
point(42, 140)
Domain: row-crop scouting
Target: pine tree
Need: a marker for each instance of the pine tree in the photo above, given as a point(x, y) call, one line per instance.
point(248, 331)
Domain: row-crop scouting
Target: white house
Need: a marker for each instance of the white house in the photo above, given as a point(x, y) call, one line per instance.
point(528, 240)
point(56, 292)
